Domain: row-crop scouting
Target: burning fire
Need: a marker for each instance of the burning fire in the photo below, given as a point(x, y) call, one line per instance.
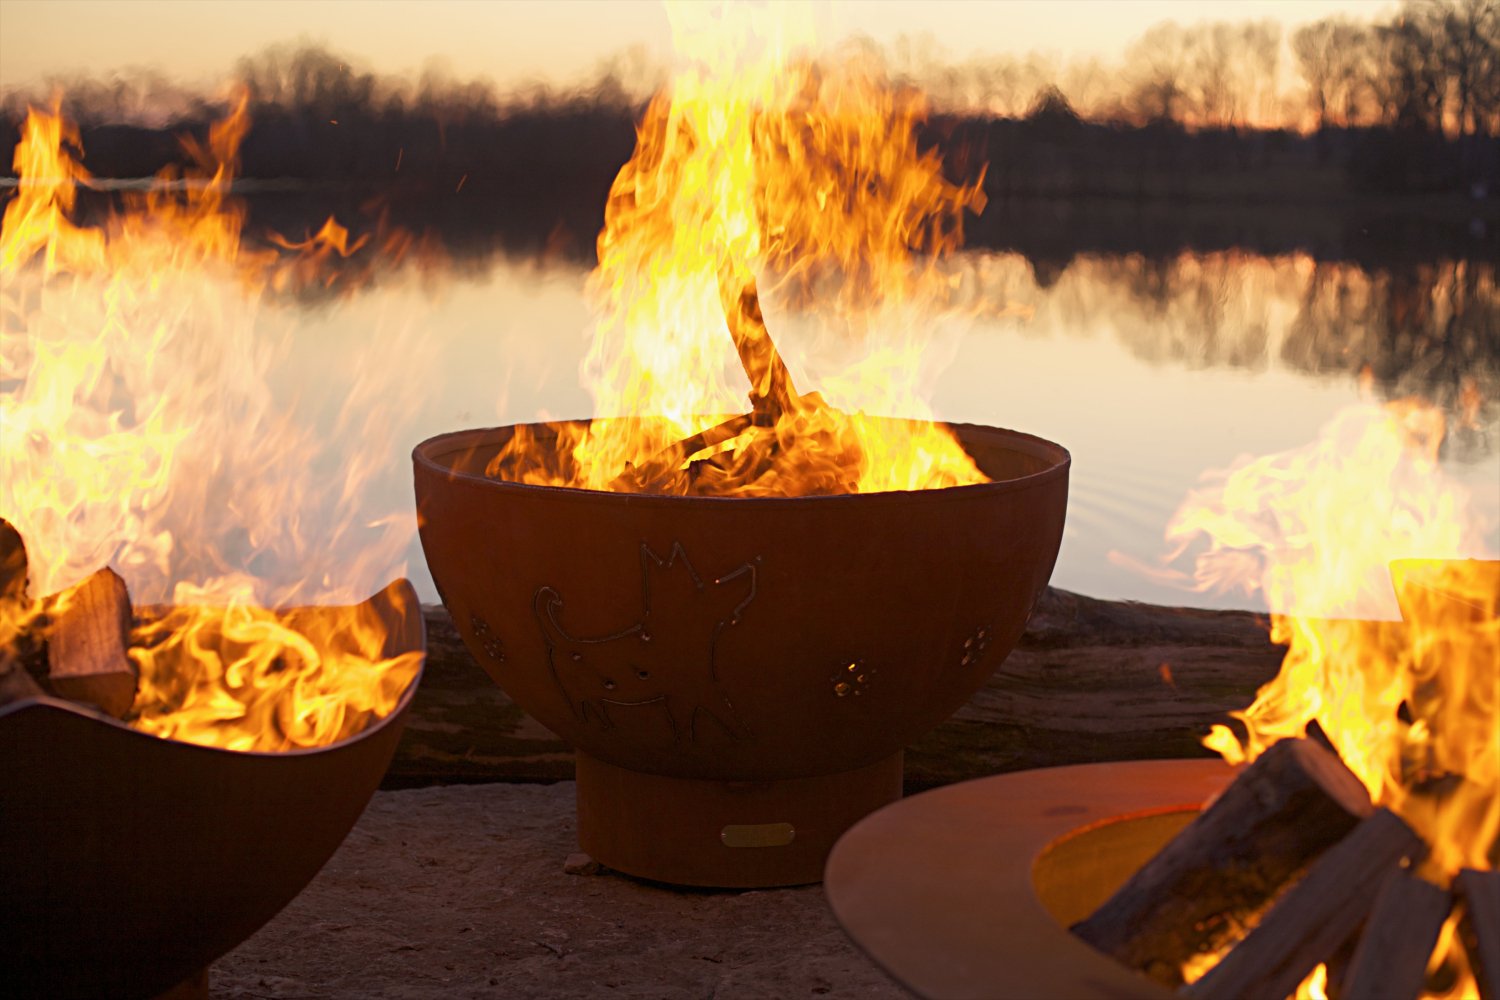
point(140, 431)
point(766, 173)
point(1412, 707)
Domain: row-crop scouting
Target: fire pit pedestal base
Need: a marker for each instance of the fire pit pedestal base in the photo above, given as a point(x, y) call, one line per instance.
point(194, 987)
point(730, 834)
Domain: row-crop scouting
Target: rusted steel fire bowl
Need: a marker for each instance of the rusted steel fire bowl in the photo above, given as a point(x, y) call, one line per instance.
point(739, 676)
point(969, 890)
point(129, 862)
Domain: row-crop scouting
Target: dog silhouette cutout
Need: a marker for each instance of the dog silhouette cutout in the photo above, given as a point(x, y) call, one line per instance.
point(665, 659)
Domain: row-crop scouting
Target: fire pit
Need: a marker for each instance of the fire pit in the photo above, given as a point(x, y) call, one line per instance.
point(739, 675)
point(130, 862)
point(968, 890)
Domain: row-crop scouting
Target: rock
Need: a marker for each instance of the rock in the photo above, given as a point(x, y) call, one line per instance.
point(455, 892)
point(579, 863)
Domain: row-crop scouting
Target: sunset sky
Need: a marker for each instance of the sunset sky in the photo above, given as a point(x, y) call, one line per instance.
point(510, 43)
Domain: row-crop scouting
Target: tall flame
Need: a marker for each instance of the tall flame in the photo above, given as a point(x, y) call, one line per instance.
point(140, 431)
point(759, 167)
point(1412, 707)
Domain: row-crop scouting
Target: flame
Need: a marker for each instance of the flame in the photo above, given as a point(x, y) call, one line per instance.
point(760, 171)
point(140, 431)
point(1412, 708)
point(1345, 537)
point(1315, 986)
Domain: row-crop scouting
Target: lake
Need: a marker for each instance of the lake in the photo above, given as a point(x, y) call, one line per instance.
point(1150, 372)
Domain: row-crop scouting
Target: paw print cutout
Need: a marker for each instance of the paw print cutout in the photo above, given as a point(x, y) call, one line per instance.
point(488, 640)
point(975, 645)
point(852, 679)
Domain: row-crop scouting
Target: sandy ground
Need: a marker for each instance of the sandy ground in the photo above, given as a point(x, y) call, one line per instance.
point(459, 891)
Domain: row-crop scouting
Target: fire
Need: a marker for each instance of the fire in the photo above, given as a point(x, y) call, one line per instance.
point(1346, 537)
point(761, 171)
point(140, 431)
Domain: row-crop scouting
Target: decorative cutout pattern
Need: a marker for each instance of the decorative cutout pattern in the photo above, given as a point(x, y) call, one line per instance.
point(852, 679)
point(976, 644)
point(665, 659)
point(491, 643)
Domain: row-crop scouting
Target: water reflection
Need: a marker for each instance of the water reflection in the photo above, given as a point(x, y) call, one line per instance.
point(1429, 329)
point(1149, 370)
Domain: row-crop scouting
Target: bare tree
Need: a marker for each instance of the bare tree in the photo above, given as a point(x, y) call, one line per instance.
point(1411, 80)
point(1159, 62)
point(1312, 45)
point(1260, 43)
point(1470, 53)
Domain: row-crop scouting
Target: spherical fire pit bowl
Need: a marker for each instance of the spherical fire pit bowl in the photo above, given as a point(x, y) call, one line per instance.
point(130, 862)
point(739, 676)
point(969, 890)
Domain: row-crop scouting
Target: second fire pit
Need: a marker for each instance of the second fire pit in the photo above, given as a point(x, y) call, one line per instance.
point(739, 675)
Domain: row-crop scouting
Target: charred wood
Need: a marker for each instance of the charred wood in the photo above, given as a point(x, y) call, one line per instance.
point(13, 567)
point(1398, 939)
point(1315, 916)
point(1206, 887)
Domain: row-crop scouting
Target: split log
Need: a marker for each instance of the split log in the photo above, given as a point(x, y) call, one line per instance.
point(86, 644)
point(1315, 916)
point(1201, 891)
point(1480, 892)
point(13, 566)
point(1398, 939)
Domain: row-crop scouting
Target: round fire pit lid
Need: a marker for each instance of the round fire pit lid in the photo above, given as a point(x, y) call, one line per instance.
point(939, 889)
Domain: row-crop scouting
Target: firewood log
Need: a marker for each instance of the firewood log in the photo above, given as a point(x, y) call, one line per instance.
point(1205, 887)
point(1315, 916)
point(1480, 892)
point(86, 644)
point(1397, 942)
point(13, 566)
point(21, 653)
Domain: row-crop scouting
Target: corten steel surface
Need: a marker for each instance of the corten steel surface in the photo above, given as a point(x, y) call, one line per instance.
point(130, 862)
point(968, 890)
point(777, 653)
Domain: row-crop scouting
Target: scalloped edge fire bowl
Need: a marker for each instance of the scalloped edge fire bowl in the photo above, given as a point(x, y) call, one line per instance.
point(739, 675)
point(130, 862)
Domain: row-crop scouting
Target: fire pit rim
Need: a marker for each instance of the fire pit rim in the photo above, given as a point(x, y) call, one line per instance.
point(433, 450)
point(922, 885)
point(45, 702)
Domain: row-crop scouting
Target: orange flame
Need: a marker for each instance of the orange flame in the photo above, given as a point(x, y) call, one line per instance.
point(140, 432)
point(759, 165)
point(1412, 707)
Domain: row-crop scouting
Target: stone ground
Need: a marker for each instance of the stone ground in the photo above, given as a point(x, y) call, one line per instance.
point(459, 891)
point(452, 888)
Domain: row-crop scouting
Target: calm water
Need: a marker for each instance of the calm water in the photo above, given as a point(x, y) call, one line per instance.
point(1149, 373)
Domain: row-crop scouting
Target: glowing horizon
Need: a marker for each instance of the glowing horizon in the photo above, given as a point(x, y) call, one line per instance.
point(513, 44)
